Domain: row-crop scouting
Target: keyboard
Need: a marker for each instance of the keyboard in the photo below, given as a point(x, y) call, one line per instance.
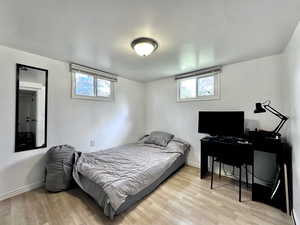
point(229, 139)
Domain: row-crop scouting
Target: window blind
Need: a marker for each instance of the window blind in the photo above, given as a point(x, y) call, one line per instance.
point(102, 74)
point(214, 69)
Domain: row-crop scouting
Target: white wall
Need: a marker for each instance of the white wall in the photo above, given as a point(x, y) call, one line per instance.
point(290, 98)
point(242, 85)
point(70, 121)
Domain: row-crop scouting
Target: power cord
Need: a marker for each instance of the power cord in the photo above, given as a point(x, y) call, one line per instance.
point(230, 173)
point(269, 182)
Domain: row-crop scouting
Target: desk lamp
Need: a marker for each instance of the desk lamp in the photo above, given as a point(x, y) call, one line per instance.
point(262, 107)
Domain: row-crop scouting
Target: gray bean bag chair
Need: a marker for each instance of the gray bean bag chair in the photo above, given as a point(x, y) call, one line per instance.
point(59, 167)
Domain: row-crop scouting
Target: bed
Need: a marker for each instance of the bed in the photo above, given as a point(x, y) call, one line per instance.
point(117, 178)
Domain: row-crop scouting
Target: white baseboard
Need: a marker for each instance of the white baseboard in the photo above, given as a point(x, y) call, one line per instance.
point(295, 218)
point(21, 190)
point(193, 163)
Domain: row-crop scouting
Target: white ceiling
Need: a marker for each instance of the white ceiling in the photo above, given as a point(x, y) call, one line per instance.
point(192, 34)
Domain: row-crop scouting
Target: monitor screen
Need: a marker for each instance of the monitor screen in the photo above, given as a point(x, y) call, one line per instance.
point(226, 123)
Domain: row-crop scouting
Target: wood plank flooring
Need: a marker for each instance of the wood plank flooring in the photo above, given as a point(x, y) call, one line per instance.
point(183, 199)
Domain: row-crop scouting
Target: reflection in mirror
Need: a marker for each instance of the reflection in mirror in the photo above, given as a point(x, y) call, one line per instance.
point(31, 108)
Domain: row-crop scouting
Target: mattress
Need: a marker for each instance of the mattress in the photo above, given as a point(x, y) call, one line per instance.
point(117, 178)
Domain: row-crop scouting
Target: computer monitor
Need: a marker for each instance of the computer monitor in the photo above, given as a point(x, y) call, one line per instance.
point(221, 123)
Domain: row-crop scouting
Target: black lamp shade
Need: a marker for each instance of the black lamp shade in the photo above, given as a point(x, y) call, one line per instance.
point(259, 108)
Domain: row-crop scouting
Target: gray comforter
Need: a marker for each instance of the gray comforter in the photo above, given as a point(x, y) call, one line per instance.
point(126, 170)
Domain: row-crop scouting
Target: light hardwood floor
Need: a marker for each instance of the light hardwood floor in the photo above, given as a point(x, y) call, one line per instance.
point(183, 199)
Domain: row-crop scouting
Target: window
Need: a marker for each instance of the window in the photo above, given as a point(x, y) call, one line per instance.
point(188, 88)
point(84, 84)
point(203, 87)
point(103, 88)
point(91, 87)
point(206, 86)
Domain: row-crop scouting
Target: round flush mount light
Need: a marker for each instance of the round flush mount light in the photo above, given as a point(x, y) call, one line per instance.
point(144, 46)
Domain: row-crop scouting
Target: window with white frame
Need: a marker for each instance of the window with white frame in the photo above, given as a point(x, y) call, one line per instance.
point(202, 87)
point(86, 84)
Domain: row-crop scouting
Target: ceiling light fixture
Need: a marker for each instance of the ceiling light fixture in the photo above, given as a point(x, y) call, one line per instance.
point(144, 46)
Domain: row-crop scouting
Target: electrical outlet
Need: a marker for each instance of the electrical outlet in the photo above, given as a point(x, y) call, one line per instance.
point(92, 143)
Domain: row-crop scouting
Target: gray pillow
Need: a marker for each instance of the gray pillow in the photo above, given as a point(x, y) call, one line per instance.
point(159, 138)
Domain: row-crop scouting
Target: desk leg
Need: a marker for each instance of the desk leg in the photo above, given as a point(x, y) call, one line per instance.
point(287, 200)
point(252, 178)
point(204, 162)
point(212, 172)
point(247, 175)
point(240, 184)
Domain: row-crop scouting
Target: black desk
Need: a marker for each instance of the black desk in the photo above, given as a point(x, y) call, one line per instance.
point(244, 152)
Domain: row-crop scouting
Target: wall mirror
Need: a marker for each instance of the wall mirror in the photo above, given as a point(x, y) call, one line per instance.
point(31, 108)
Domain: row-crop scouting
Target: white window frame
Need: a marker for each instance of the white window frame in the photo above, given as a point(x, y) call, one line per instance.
point(93, 98)
point(216, 95)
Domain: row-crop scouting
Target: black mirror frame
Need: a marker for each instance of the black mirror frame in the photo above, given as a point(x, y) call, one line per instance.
point(18, 66)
